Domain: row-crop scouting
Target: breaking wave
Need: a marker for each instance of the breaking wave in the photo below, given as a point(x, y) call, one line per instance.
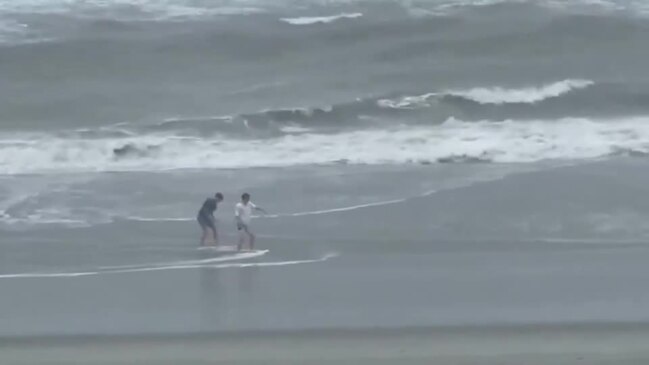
point(495, 95)
point(509, 141)
point(320, 19)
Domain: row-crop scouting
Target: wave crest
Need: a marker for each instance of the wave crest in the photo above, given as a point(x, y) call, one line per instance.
point(529, 95)
point(492, 96)
point(320, 19)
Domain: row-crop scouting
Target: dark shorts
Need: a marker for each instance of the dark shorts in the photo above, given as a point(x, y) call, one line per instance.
point(206, 221)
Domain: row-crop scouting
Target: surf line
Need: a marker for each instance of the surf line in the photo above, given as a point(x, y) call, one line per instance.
point(335, 210)
point(301, 214)
point(228, 265)
point(349, 208)
point(209, 265)
point(237, 256)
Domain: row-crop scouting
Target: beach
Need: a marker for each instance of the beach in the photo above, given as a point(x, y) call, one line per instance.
point(565, 344)
point(447, 182)
point(468, 296)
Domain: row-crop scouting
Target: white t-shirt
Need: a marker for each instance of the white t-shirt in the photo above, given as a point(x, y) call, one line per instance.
point(244, 211)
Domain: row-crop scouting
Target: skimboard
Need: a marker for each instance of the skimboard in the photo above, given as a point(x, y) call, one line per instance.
point(227, 249)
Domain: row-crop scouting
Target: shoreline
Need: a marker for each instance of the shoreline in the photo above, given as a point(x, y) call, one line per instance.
point(578, 343)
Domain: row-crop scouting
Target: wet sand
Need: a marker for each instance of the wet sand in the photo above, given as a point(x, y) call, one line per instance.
point(490, 272)
point(490, 345)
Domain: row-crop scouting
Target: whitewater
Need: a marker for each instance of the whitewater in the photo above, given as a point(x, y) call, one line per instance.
point(399, 142)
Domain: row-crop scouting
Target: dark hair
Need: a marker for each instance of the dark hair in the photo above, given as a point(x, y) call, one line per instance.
point(245, 196)
point(218, 196)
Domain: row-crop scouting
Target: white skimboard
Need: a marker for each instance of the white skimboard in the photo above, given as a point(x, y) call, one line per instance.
point(229, 249)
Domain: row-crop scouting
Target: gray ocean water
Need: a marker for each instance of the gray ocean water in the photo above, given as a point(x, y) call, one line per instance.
point(424, 163)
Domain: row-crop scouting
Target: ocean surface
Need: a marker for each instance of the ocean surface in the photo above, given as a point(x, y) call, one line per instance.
point(423, 162)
